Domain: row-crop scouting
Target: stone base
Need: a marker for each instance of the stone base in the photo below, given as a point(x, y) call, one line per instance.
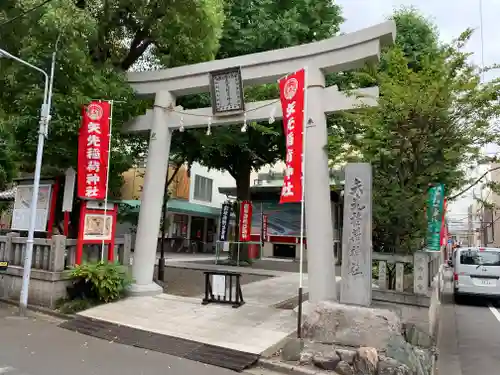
point(292, 349)
point(45, 287)
point(151, 289)
point(334, 323)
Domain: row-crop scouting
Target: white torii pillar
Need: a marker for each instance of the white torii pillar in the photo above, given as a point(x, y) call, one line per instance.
point(152, 199)
point(344, 52)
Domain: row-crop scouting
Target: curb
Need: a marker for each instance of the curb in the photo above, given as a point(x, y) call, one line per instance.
point(39, 309)
point(269, 352)
point(286, 368)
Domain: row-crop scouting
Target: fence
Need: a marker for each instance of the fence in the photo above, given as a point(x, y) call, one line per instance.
point(93, 253)
point(423, 266)
point(51, 257)
point(57, 253)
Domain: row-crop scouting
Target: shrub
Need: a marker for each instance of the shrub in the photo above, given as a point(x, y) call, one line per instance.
point(101, 281)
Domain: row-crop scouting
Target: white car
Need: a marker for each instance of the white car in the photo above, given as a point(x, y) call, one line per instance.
point(476, 272)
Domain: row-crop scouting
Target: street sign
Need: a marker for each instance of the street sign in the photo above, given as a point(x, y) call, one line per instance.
point(3, 266)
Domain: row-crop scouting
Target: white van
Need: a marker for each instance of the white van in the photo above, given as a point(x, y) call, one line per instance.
point(476, 272)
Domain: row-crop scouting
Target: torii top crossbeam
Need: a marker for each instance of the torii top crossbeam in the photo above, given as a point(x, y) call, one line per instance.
point(340, 53)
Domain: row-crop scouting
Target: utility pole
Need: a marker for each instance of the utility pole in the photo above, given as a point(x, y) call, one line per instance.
point(42, 133)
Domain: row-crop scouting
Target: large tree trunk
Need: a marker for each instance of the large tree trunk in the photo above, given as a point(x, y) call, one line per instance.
point(243, 186)
point(240, 251)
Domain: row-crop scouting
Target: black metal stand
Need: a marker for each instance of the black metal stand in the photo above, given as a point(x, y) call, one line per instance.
point(232, 280)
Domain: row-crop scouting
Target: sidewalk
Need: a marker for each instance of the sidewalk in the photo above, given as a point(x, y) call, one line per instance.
point(448, 360)
point(251, 328)
point(218, 267)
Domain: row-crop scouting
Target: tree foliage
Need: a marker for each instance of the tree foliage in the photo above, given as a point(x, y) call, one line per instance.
point(286, 23)
point(432, 120)
point(95, 46)
point(8, 157)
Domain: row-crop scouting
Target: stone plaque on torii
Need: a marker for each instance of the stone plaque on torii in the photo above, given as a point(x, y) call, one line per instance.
point(341, 53)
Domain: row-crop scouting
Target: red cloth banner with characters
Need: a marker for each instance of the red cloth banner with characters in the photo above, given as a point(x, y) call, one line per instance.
point(265, 223)
point(444, 229)
point(292, 104)
point(93, 149)
point(245, 221)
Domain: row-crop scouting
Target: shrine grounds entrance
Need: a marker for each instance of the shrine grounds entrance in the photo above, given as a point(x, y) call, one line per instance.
point(340, 53)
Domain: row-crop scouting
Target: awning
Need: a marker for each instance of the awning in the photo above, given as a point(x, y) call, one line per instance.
point(181, 206)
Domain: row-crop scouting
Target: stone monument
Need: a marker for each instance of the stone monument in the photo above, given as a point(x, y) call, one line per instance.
point(356, 286)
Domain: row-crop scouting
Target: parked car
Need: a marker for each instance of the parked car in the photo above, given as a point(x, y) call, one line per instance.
point(476, 272)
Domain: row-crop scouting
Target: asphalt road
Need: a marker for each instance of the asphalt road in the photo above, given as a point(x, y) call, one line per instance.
point(469, 337)
point(478, 338)
point(36, 346)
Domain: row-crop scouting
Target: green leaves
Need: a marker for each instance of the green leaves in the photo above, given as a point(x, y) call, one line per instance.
point(433, 117)
point(95, 45)
point(286, 23)
point(9, 156)
point(108, 280)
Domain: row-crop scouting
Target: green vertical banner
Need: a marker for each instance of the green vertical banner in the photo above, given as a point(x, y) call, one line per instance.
point(435, 203)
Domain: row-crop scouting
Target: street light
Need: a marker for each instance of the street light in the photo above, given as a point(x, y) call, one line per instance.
point(42, 132)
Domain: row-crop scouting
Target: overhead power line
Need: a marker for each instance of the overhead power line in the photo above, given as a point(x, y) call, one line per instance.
point(79, 4)
point(474, 183)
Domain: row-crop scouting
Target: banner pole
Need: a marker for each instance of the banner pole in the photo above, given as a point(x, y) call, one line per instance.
point(302, 211)
point(110, 251)
point(261, 230)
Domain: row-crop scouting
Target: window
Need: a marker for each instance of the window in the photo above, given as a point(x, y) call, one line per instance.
point(202, 188)
point(480, 258)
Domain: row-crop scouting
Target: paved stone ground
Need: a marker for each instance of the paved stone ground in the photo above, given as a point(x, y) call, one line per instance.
point(36, 346)
point(284, 265)
point(190, 283)
point(251, 328)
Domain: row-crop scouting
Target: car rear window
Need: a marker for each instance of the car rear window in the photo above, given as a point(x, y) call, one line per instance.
point(480, 258)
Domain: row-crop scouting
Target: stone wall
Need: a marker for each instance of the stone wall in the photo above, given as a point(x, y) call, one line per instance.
point(45, 287)
point(51, 257)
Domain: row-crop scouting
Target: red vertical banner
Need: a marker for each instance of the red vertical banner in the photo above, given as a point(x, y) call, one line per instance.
point(265, 221)
point(245, 220)
point(444, 231)
point(292, 104)
point(443, 234)
point(93, 149)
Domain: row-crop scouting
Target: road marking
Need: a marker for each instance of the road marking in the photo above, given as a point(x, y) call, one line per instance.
point(495, 312)
point(4, 370)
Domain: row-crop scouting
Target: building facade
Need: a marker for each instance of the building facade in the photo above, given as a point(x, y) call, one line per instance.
point(196, 197)
point(283, 221)
point(484, 212)
point(193, 207)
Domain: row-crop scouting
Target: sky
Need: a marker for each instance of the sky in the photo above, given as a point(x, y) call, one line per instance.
point(451, 18)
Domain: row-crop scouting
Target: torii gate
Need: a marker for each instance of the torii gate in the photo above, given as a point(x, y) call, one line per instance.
point(341, 53)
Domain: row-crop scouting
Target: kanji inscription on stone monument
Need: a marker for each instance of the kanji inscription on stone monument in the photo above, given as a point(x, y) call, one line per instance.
point(357, 236)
